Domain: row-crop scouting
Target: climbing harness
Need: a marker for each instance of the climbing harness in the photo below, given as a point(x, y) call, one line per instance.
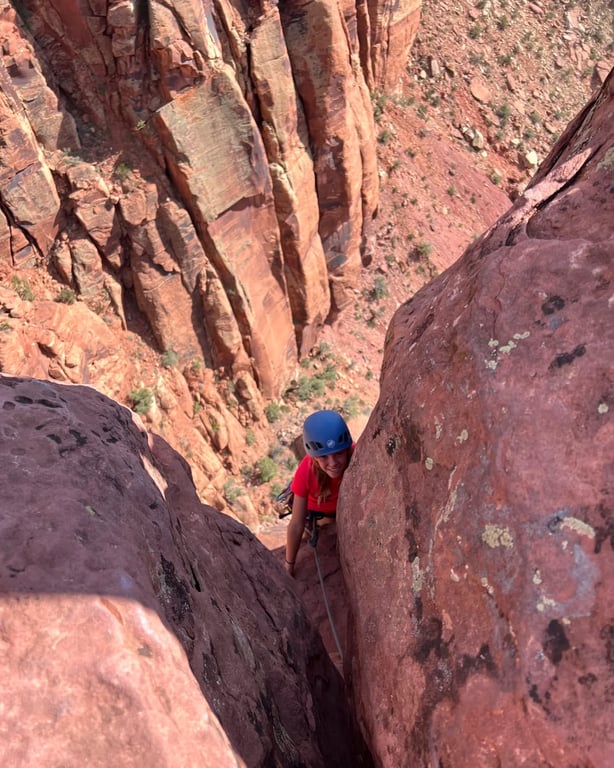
point(285, 500)
point(313, 541)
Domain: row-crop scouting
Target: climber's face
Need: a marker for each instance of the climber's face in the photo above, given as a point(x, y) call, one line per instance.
point(334, 464)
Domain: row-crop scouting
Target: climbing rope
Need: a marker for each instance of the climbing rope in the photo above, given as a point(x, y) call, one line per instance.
point(313, 540)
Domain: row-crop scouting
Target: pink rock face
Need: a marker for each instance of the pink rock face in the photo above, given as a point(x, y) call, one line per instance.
point(476, 522)
point(140, 627)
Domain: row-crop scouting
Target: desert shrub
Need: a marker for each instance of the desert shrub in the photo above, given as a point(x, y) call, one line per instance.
point(380, 289)
point(272, 412)
point(351, 407)
point(66, 296)
point(308, 388)
point(141, 399)
point(266, 469)
point(423, 249)
point(122, 170)
point(169, 358)
point(231, 490)
point(384, 136)
point(22, 288)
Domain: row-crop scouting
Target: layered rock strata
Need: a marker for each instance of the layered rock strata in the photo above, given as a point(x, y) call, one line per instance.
point(216, 159)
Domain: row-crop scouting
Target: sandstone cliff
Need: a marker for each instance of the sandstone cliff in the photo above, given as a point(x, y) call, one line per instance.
point(476, 521)
point(208, 168)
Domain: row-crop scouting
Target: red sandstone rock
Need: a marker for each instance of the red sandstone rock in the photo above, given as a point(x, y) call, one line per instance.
point(476, 523)
point(275, 185)
point(139, 626)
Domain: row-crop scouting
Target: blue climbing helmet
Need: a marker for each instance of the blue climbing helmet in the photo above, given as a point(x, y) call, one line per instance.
point(325, 432)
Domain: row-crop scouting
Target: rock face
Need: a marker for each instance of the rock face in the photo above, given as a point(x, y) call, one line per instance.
point(140, 627)
point(201, 174)
point(216, 159)
point(476, 522)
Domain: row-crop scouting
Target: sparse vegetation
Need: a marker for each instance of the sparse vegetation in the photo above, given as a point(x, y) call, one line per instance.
point(503, 112)
point(66, 296)
point(141, 400)
point(266, 469)
point(232, 490)
point(496, 177)
point(122, 170)
point(380, 289)
point(384, 136)
point(272, 411)
point(169, 358)
point(22, 288)
point(423, 250)
point(197, 365)
point(378, 100)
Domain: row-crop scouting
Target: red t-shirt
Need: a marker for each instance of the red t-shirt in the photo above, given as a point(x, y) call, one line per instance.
point(305, 483)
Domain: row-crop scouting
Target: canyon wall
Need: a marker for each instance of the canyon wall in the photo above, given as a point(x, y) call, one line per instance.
point(201, 174)
point(476, 523)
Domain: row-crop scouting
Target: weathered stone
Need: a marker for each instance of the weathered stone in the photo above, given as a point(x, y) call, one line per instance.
point(204, 127)
point(224, 161)
point(146, 627)
point(86, 266)
point(291, 167)
point(479, 90)
point(490, 539)
point(392, 28)
point(337, 137)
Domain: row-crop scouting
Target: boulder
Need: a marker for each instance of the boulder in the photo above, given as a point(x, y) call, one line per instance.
point(476, 519)
point(138, 625)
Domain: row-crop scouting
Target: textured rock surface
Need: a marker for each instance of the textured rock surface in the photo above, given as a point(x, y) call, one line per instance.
point(217, 161)
point(392, 29)
point(476, 523)
point(139, 626)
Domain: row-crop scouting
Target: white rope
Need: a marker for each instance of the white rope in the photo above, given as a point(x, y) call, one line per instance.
point(328, 611)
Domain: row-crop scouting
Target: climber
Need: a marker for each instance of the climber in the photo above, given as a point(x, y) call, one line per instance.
point(317, 479)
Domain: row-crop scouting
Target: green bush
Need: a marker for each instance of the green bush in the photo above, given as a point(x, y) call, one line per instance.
point(378, 101)
point(272, 412)
point(66, 296)
point(197, 365)
point(423, 250)
point(142, 400)
point(351, 407)
point(380, 289)
point(384, 136)
point(123, 170)
point(169, 358)
point(231, 490)
point(503, 112)
point(266, 468)
point(22, 288)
